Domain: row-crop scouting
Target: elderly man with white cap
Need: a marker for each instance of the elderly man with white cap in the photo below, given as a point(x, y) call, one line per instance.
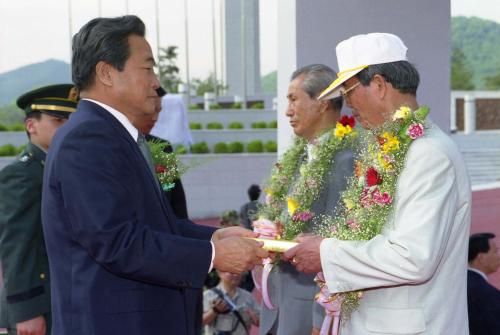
point(413, 272)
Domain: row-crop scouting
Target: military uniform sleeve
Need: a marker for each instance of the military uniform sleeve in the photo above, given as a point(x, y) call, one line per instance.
point(20, 231)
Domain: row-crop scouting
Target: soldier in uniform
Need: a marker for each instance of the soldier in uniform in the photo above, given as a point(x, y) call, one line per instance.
point(25, 298)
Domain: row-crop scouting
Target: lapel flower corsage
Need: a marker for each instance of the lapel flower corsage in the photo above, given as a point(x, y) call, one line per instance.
point(168, 167)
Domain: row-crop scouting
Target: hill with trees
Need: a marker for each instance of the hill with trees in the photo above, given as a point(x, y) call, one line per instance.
point(476, 46)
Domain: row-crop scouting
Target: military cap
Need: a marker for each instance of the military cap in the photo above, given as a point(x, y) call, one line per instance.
point(56, 100)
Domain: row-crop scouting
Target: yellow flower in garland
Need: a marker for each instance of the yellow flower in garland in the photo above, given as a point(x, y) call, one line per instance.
point(385, 161)
point(391, 143)
point(349, 204)
point(402, 113)
point(341, 130)
point(292, 206)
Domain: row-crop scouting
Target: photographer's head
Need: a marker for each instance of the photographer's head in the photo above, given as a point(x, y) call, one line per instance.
point(113, 63)
point(229, 280)
point(254, 192)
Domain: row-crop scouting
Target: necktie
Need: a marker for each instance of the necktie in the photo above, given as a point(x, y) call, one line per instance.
point(144, 147)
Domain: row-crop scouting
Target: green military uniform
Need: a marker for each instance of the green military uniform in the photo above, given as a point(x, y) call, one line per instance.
point(26, 292)
point(25, 267)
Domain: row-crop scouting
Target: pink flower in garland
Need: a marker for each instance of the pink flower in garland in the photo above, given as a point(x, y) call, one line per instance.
point(366, 198)
point(415, 131)
point(353, 224)
point(369, 197)
point(302, 216)
point(381, 199)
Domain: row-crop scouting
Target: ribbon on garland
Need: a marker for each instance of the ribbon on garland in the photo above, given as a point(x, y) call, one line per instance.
point(332, 303)
point(268, 230)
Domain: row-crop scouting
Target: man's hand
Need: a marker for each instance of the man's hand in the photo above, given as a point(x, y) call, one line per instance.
point(231, 232)
point(35, 326)
point(219, 306)
point(237, 255)
point(305, 256)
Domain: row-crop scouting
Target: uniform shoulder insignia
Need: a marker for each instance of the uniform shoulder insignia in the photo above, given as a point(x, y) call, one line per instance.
point(27, 157)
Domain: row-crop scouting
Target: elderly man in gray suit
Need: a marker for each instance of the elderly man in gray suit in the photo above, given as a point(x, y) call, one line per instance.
point(292, 293)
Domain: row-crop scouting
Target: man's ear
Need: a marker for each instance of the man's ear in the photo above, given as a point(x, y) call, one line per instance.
point(103, 73)
point(379, 86)
point(323, 107)
point(480, 257)
point(30, 125)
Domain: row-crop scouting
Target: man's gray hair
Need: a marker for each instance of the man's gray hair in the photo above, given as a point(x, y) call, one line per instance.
point(316, 78)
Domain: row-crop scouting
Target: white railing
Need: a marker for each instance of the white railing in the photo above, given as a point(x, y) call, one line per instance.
point(469, 107)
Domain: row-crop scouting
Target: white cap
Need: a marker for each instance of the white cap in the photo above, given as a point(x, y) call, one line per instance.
point(358, 52)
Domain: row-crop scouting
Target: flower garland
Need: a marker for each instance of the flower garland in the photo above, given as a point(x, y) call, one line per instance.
point(369, 197)
point(299, 195)
point(168, 167)
point(275, 223)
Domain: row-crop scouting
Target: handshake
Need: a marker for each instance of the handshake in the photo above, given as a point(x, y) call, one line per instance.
point(235, 252)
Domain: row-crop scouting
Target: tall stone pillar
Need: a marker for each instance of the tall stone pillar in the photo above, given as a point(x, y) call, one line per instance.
point(233, 41)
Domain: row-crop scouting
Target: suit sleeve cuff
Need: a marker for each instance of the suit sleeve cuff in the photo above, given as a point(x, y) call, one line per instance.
point(213, 257)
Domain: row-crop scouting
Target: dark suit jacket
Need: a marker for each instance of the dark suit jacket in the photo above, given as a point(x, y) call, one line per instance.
point(484, 305)
point(26, 291)
point(121, 263)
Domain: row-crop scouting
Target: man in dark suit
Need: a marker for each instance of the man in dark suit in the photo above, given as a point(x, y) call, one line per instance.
point(121, 263)
point(483, 298)
point(25, 298)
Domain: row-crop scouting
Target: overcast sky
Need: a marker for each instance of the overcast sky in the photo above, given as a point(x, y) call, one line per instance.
point(36, 30)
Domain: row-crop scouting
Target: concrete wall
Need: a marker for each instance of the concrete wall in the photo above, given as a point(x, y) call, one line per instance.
point(220, 182)
point(216, 183)
point(226, 116)
point(212, 137)
point(319, 25)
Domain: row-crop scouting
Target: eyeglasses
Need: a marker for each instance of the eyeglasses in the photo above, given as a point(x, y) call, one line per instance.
point(345, 92)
